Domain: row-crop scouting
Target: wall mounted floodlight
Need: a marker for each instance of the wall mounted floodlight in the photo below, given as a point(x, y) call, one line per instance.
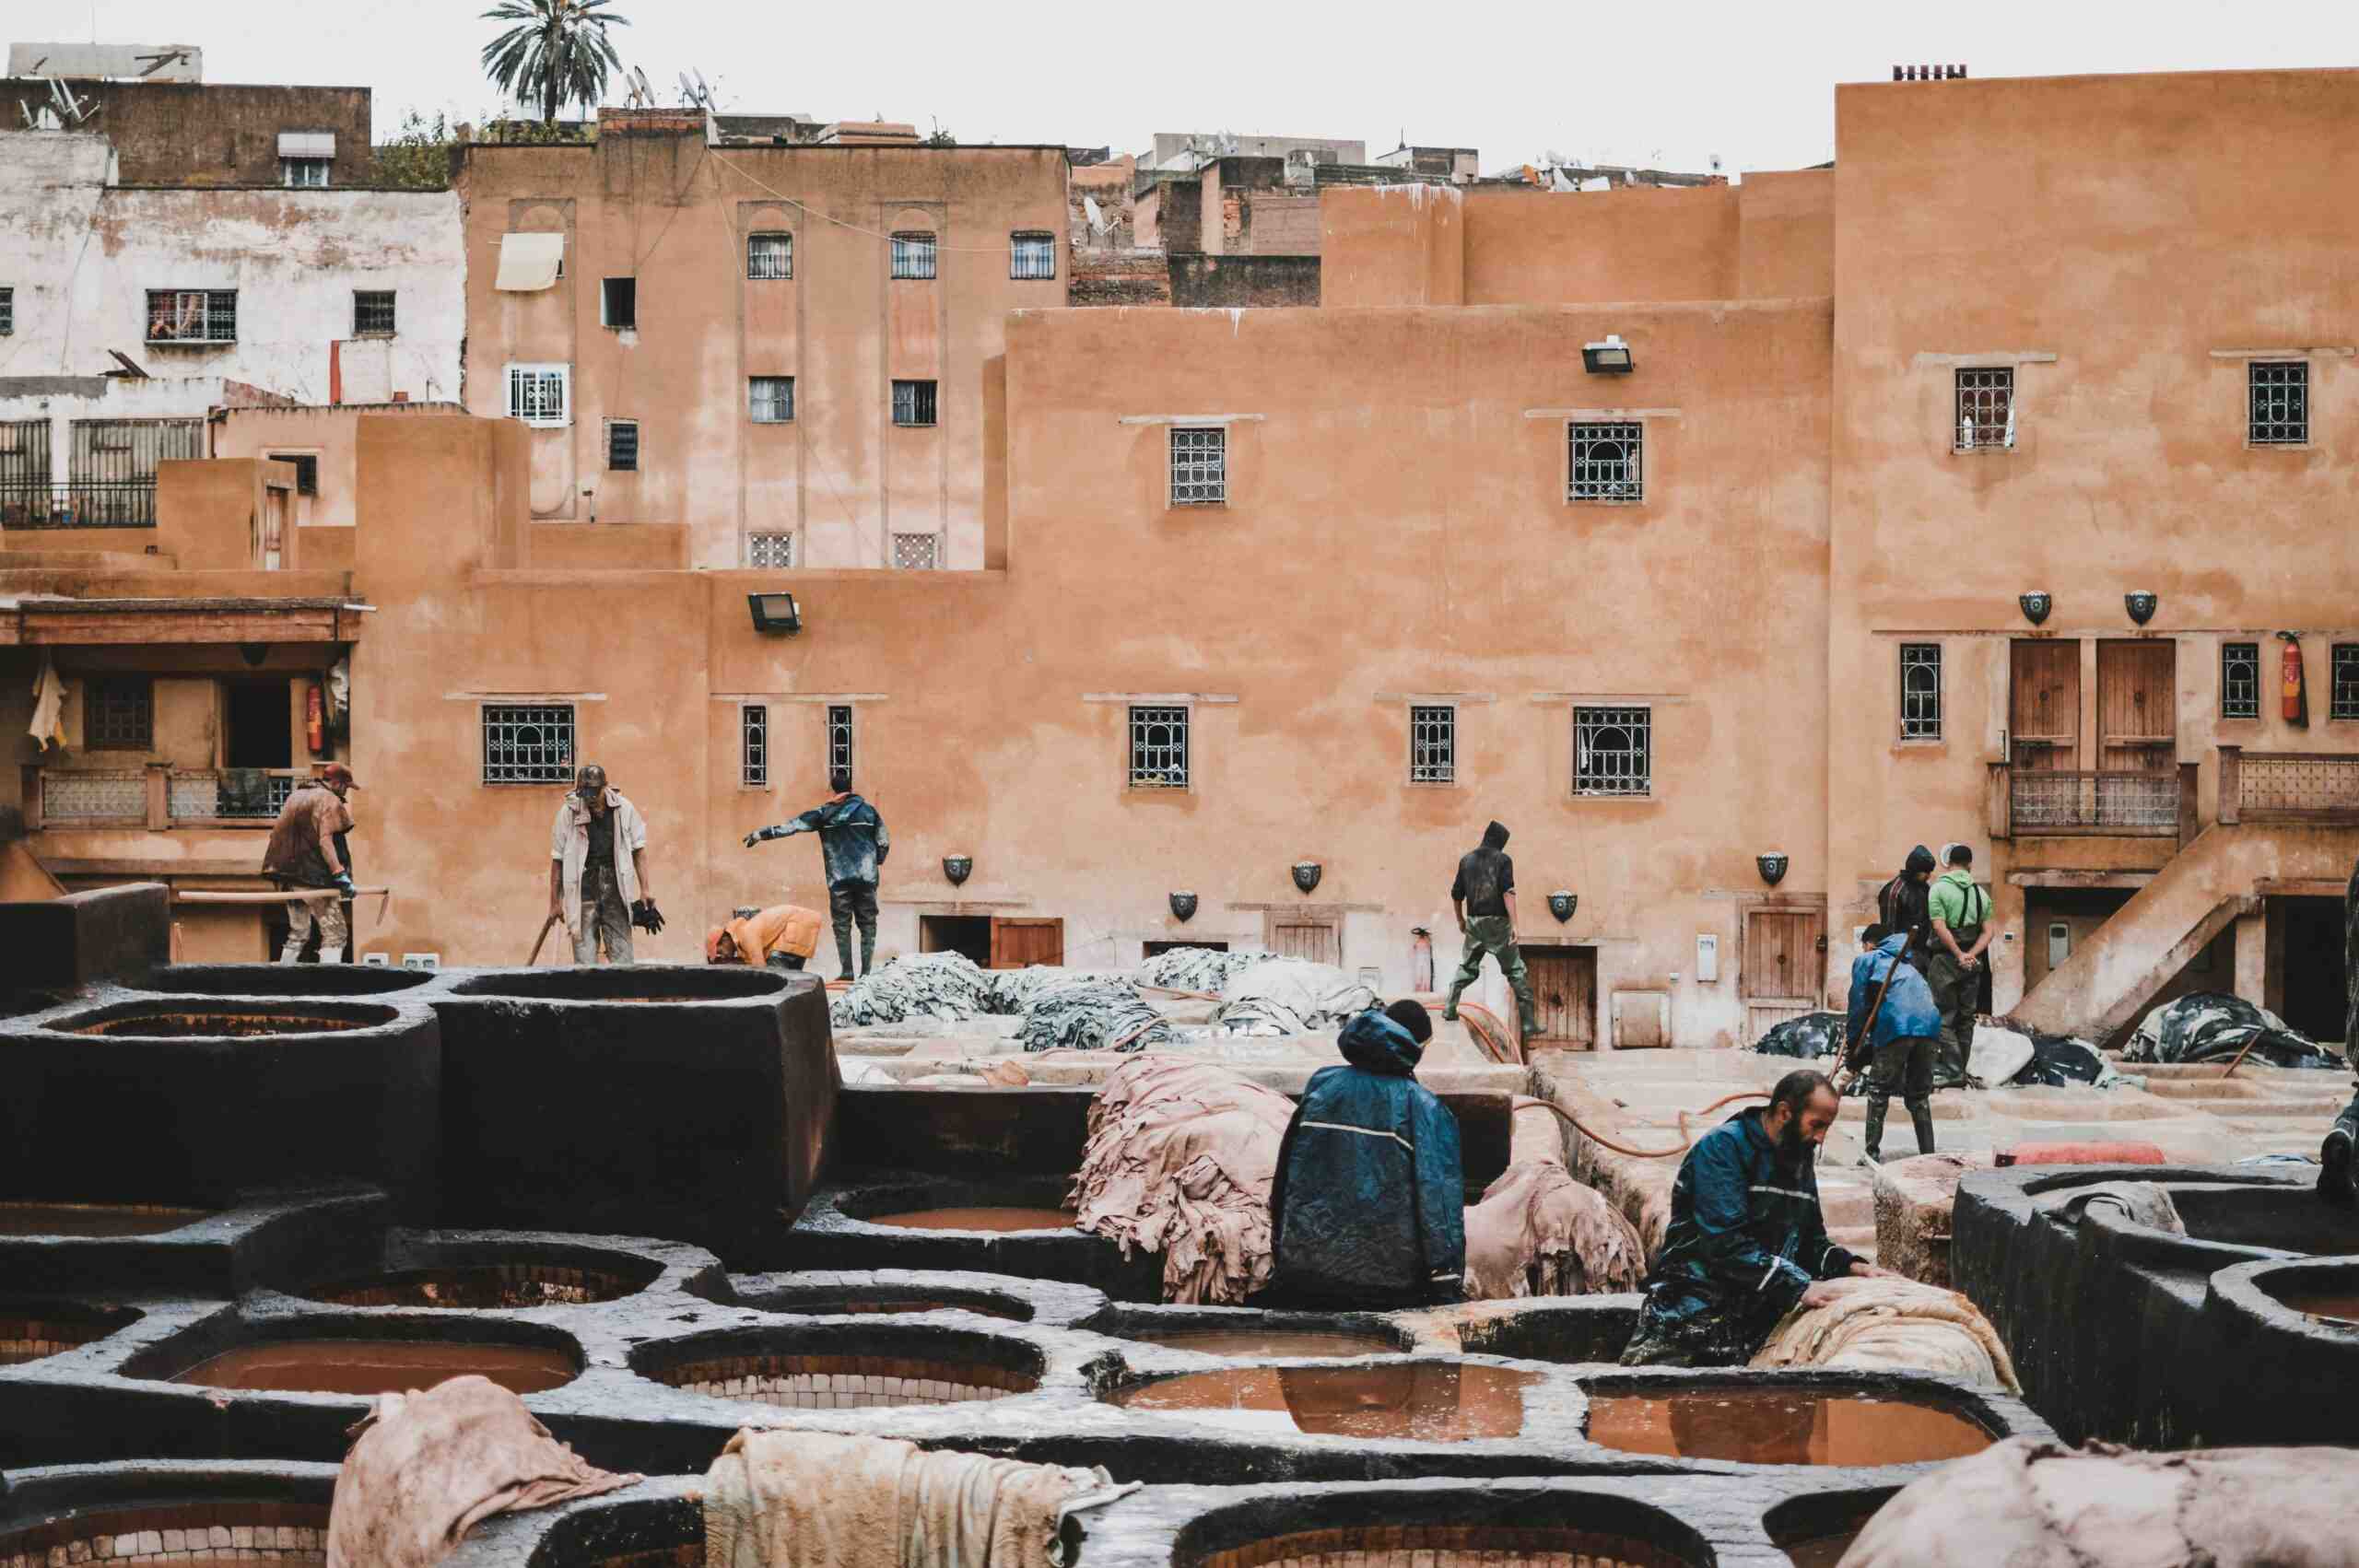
point(775, 613)
point(1610, 358)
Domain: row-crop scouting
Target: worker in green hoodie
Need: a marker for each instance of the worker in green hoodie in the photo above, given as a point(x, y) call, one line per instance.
point(1960, 911)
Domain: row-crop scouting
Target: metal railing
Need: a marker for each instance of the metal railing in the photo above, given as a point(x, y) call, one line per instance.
point(79, 795)
point(77, 503)
point(234, 794)
point(2288, 787)
point(156, 797)
point(2127, 804)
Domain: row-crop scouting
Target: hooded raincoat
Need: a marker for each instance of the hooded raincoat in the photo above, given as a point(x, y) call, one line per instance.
point(853, 840)
point(1901, 904)
point(1907, 1014)
point(1368, 1207)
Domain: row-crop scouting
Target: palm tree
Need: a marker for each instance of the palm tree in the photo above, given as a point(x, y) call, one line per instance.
point(557, 52)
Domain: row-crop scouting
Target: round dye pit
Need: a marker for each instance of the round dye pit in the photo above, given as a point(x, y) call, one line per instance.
point(94, 1219)
point(2280, 1218)
point(281, 980)
point(1420, 1401)
point(38, 1332)
point(227, 1024)
point(996, 1218)
point(1783, 1426)
point(1816, 1530)
point(490, 1288)
point(845, 1304)
point(1270, 1342)
point(380, 1366)
point(180, 1535)
point(845, 1368)
point(627, 982)
point(1476, 1543)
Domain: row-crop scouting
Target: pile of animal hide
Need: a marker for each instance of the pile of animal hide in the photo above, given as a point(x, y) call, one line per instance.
point(1200, 969)
point(2213, 1026)
point(1319, 994)
point(1093, 1014)
point(1540, 1233)
point(1258, 1015)
point(2140, 1202)
point(1180, 1161)
point(1812, 1036)
point(1880, 1325)
point(926, 984)
point(1013, 991)
point(2033, 1503)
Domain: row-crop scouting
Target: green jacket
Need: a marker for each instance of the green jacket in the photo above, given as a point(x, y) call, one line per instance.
point(1957, 902)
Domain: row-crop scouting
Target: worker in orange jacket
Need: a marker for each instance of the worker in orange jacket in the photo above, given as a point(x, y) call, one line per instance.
point(782, 937)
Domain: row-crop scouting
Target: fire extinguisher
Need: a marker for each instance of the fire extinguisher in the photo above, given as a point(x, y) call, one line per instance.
point(1421, 960)
point(315, 719)
point(2296, 691)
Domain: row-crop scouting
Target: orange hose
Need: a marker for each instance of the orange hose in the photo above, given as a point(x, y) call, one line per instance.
point(1490, 1032)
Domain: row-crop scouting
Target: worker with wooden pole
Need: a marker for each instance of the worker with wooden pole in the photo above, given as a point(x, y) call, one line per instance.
point(1894, 1027)
point(302, 854)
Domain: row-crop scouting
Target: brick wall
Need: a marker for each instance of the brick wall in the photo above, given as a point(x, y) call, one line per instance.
point(1119, 277)
point(200, 134)
point(1231, 281)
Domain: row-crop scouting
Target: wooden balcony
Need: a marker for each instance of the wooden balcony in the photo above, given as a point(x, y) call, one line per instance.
point(2054, 802)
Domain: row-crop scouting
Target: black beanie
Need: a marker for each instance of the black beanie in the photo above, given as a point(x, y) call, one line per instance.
point(1411, 1014)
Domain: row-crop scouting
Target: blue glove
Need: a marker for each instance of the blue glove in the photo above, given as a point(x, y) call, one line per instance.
point(344, 883)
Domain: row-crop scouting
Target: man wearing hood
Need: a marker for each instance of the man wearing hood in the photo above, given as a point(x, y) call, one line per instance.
point(1368, 1207)
point(852, 846)
point(1901, 906)
point(1907, 1035)
point(1484, 899)
point(1747, 1242)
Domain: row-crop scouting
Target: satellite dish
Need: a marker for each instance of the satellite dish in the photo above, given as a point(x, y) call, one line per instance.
point(704, 93)
point(688, 93)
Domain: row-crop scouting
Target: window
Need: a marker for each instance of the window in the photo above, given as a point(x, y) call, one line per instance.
point(304, 173)
point(769, 550)
point(2240, 680)
point(1199, 466)
point(2280, 397)
point(528, 742)
point(622, 446)
point(119, 715)
point(8, 311)
point(1158, 748)
point(912, 255)
point(307, 470)
point(769, 399)
point(618, 303)
point(1607, 460)
point(754, 745)
point(913, 403)
point(372, 313)
point(1433, 744)
point(191, 315)
point(840, 739)
point(1032, 256)
point(916, 552)
point(1613, 750)
point(1921, 691)
point(541, 394)
point(1986, 408)
point(769, 257)
point(2343, 700)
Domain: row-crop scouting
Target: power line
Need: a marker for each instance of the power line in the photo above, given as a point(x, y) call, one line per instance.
point(856, 229)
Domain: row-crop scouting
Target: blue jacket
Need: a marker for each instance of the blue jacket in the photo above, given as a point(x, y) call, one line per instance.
point(1746, 1234)
point(1908, 1012)
point(853, 840)
point(1368, 1206)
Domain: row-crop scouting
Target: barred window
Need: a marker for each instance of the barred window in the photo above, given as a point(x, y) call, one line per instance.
point(2344, 701)
point(1986, 407)
point(1613, 750)
point(916, 552)
point(2279, 394)
point(913, 403)
point(754, 745)
point(769, 550)
point(119, 715)
point(8, 311)
point(1608, 460)
point(839, 740)
point(1433, 744)
point(1158, 748)
point(191, 315)
point(2240, 680)
point(541, 394)
point(769, 257)
point(307, 470)
point(1032, 256)
point(305, 173)
point(372, 313)
point(1199, 466)
point(913, 255)
point(622, 445)
point(528, 742)
point(769, 399)
point(1921, 691)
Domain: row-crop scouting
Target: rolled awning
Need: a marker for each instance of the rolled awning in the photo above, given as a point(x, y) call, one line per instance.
point(529, 261)
point(307, 144)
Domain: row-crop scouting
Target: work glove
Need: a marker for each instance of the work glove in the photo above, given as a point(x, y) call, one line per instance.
point(647, 917)
point(760, 835)
point(344, 883)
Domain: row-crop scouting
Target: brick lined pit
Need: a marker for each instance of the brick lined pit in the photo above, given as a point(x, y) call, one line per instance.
point(846, 1382)
point(490, 1288)
point(34, 1333)
point(269, 1535)
point(1448, 1545)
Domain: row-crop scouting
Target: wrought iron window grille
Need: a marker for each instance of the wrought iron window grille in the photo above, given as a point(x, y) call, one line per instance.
point(1199, 466)
point(372, 313)
point(1613, 750)
point(769, 399)
point(769, 550)
point(1158, 748)
point(913, 404)
point(528, 742)
point(1032, 256)
point(913, 255)
point(2240, 680)
point(2279, 397)
point(1986, 407)
point(839, 750)
point(1433, 744)
point(1921, 691)
point(769, 257)
point(1608, 460)
point(754, 737)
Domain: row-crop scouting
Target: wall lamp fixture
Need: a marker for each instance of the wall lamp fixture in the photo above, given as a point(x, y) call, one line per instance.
point(1610, 358)
point(775, 613)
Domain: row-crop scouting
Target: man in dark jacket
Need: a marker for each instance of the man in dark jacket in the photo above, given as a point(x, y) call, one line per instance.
point(1484, 899)
point(1908, 1033)
point(852, 846)
point(1368, 1207)
point(1901, 906)
point(1747, 1242)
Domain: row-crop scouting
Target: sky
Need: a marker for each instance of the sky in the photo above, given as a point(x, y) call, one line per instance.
point(1664, 85)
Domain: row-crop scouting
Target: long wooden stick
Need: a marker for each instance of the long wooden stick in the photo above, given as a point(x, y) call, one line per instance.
point(542, 941)
point(291, 895)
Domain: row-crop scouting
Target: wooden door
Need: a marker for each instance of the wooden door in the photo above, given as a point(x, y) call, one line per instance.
point(1016, 942)
point(1564, 985)
point(2138, 705)
point(1781, 953)
point(1307, 936)
point(2043, 711)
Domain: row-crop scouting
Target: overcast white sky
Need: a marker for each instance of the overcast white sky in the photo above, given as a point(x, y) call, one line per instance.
point(1664, 84)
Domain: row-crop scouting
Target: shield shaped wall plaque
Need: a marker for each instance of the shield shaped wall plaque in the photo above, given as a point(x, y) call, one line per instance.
point(1562, 903)
point(1307, 875)
point(1183, 905)
point(957, 868)
point(2037, 605)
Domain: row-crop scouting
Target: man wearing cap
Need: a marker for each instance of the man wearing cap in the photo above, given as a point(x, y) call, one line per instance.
point(302, 853)
point(598, 868)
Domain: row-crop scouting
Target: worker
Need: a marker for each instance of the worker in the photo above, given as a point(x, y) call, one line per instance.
point(1901, 906)
point(783, 937)
point(1482, 897)
point(1367, 1210)
point(1959, 913)
point(598, 882)
point(1747, 1242)
point(1899, 1050)
point(303, 852)
point(852, 847)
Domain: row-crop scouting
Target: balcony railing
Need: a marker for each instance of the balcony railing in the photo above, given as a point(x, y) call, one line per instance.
point(79, 503)
point(2288, 787)
point(157, 797)
point(2038, 803)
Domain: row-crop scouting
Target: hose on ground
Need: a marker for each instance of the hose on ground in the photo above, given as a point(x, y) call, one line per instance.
point(1686, 1139)
point(1490, 1032)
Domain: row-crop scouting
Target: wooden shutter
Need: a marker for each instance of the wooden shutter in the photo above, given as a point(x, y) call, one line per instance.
point(2044, 714)
point(1781, 957)
point(1016, 943)
point(1320, 941)
point(2137, 705)
point(1563, 984)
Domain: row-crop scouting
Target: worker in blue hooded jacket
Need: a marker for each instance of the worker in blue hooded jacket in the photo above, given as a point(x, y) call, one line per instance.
point(1369, 1208)
point(1906, 1036)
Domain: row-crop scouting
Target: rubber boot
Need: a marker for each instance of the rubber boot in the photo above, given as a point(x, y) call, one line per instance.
point(331, 955)
point(1924, 1120)
point(291, 951)
point(2335, 1162)
point(868, 949)
point(1872, 1136)
point(843, 945)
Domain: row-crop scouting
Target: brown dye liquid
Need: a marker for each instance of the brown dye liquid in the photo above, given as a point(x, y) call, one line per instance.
point(983, 1219)
point(1425, 1401)
point(215, 1027)
point(1783, 1427)
point(379, 1366)
point(472, 1290)
point(1824, 1551)
point(93, 1219)
point(2341, 1308)
point(1270, 1342)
